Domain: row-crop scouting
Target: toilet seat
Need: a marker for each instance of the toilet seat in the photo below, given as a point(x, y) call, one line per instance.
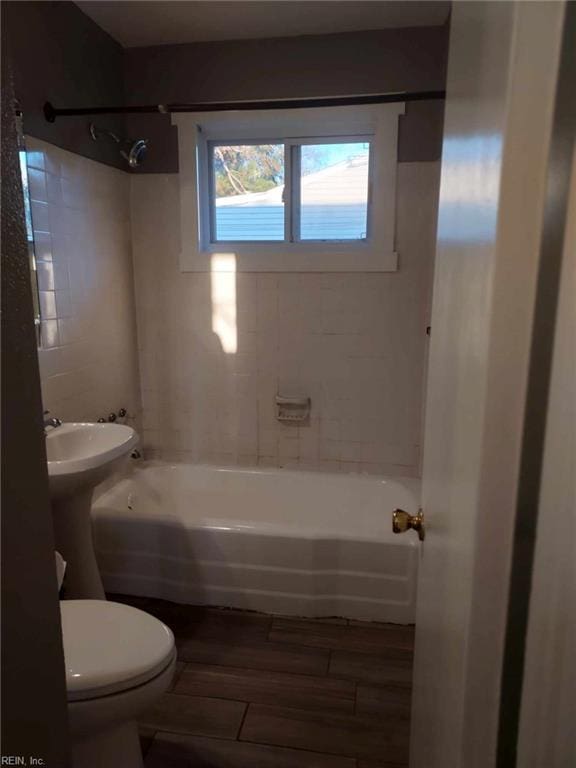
point(110, 647)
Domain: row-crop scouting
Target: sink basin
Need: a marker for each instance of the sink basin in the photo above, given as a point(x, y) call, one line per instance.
point(82, 455)
point(79, 457)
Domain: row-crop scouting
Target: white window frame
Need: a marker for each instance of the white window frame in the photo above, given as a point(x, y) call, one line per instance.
point(378, 123)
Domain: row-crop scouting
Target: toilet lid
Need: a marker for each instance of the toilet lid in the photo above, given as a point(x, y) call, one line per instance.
point(110, 647)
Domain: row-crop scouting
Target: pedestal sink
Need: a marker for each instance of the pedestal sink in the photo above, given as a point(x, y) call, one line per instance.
point(79, 457)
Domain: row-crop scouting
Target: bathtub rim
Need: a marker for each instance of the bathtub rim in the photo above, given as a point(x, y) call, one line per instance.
point(260, 527)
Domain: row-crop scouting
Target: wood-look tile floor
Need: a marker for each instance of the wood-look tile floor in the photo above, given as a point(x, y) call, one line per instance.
point(258, 691)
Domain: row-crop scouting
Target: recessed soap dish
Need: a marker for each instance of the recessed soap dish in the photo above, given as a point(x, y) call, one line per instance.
point(293, 409)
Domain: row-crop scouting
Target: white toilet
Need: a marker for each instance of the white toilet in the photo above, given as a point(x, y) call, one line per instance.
point(119, 662)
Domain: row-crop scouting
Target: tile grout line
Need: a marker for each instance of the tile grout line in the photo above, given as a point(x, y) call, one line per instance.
point(268, 704)
point(149, 747)
point(260, 744)
point(319, 673)
point(299, 708)
point(243, 720)
point(270, 629)
point(310, 750)
point(304, 749)
point(216, 698)
point(306, 675)
point(184, 694)
point(177, 676)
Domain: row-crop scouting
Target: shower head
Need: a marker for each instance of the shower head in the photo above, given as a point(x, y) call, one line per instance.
point(136, 153)
point(133, 152)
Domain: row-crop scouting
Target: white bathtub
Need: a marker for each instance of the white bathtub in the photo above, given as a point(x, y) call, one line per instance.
point(296, 543)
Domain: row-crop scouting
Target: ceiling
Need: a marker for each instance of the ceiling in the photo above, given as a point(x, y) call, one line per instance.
point(152, 22)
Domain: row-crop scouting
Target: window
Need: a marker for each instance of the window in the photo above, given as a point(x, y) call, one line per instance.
point(333, 190)
point(289, 190)
point(29, 231)
point(326, 199)
point(247, 194)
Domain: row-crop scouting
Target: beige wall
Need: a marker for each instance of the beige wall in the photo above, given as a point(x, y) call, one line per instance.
point(62, 55)
point(59, 54)
point(374, 61)
point(80, 213)
point(355, 343)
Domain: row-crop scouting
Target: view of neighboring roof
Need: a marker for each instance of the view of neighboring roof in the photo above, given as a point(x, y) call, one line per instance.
point(343, 183)
point(334, 205)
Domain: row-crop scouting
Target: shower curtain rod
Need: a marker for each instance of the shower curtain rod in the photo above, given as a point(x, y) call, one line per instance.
point(51, 112)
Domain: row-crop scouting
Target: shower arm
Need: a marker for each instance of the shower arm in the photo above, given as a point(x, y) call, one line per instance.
point(97, 132)
point(51, 112)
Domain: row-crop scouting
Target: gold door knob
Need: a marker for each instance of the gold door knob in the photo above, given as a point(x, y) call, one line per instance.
point(402, 521)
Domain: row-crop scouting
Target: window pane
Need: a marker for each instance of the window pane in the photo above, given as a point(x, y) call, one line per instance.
point(248, 187)
point(334, 191)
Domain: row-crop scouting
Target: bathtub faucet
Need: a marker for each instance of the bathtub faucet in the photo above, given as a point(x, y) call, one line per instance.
point(51, 421)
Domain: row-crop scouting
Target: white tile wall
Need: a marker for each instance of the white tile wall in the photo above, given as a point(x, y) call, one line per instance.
point(355, 343)
point(80, 215)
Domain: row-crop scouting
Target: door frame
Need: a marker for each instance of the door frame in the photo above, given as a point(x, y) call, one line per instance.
point(34, 711)
point(552, 249)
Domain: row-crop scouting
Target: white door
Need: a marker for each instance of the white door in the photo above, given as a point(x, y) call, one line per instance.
point(500, 94)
